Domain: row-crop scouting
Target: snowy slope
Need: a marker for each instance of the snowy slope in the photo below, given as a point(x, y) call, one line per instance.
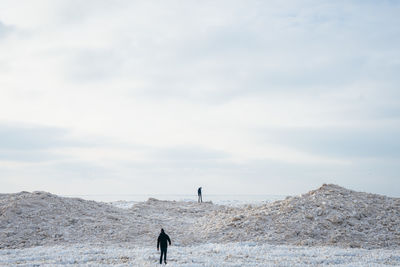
point(330, 215)
point(38, 218)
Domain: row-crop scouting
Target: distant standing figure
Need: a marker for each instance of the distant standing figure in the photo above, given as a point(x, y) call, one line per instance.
point(200, 200)
point(162, 241)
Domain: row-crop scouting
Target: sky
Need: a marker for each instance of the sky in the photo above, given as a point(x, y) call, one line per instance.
point(161, 97)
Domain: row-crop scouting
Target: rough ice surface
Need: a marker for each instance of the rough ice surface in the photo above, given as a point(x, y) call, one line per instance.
point(229, 254)
point(330, 225)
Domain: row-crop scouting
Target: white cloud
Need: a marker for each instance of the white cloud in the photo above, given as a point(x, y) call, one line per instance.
point(189, 79)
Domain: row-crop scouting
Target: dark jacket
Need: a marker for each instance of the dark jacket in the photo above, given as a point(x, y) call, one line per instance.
point(163, 240)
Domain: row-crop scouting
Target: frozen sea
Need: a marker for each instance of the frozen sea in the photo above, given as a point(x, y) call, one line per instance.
point(128, 200)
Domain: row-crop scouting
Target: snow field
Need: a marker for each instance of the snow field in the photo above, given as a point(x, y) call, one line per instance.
point(231, 254)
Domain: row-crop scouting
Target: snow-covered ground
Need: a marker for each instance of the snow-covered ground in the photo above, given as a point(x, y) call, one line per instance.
point(330, 225)
point(229, 254)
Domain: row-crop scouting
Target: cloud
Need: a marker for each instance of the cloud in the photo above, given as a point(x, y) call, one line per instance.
point(5, 30)
point(28, 156)
point(91, 65)
point(78, 170)
point(33, 137)
point(36, 143)
point(189, 153)
point(182, 89)
point(340, 142)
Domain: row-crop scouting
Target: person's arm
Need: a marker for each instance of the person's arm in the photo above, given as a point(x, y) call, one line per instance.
point(169, 240)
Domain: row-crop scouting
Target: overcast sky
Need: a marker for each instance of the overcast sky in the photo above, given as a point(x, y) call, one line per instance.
point(160, 97)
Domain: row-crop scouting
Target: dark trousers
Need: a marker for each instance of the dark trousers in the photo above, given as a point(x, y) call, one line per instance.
point(163, 252)
point(200, 198)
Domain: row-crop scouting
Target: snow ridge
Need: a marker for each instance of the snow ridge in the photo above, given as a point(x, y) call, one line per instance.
point(330, 215)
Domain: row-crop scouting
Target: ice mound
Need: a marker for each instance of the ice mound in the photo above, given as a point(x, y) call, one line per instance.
point(330, 215)
point(40, 218)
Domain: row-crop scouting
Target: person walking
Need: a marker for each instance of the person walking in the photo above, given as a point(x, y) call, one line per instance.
point(162, 241)
point(200, 199)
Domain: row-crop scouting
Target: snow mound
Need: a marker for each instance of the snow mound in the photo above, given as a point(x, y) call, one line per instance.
point(330, 215)
point(40, 218)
